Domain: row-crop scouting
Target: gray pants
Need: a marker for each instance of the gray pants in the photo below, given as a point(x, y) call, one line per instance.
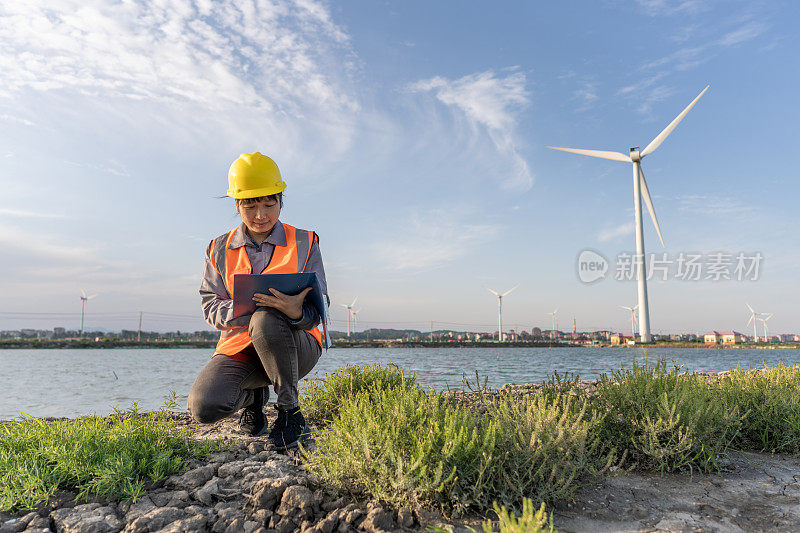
point(280, 355)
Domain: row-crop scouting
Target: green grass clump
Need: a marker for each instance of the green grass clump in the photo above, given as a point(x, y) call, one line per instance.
point(409, 447)
point(531, 521)
point(769, 399)
point(322, 396)
point(109, 457)
point(666, 420)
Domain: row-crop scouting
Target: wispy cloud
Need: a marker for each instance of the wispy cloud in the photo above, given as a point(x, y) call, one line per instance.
point(610, 234)
point(586, 95)
point(19, 213)
point(712, 204)
point(715, 39)
point(672, 7)
point(489, 102)
point(274, 69)
point(434, 238)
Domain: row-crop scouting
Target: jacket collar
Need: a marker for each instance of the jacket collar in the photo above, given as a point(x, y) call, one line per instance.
point(241, 238)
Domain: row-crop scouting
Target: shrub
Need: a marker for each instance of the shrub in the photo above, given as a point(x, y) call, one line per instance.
point(109, 457)
point(407, 447)
point(666, 420)
point(322, 396)
point(769, 400)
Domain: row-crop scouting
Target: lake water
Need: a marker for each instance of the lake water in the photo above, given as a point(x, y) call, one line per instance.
point(75, 382)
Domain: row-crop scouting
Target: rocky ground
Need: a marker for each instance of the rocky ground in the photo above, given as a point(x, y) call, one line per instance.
point(249, 489)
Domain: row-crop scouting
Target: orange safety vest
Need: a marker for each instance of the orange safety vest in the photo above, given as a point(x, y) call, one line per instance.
point(289, 259)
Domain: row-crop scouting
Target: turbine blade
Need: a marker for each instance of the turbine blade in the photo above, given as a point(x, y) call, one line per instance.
point(614, 156)
point(83, 293)
point(345, 306)
point(655, 143)
point(354, 301)
point(750, 308)
point(649, 203)
point(509, 290)
point(751, 320)
point(493, 292)
point(90, 297)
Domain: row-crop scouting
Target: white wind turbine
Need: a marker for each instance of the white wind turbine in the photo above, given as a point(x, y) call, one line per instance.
point(640, 191)
point(84, 299)
point(633, 318)
point(355, 319)
point(349, 314)
point(753, 319)
point(764, 322)
point(555, 322)
point(500, 309)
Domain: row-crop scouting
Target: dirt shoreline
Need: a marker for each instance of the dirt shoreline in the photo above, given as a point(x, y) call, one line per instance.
point(253, 490)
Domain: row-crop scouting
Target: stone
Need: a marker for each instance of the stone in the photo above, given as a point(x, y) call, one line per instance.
point(378, 520)
point(297, 496)
point(285, 525)
point(335, 504)
point(15, 525)
point(193, 523)
point(255, 447)
point(155, 520)
point(222, 457)
point(88, 518)
point(250, 526)
point(268, 492)
point(236, 526)
point(180, 499)
point(209, 491)
point(352, 516)
point(39, 522)
point(192, 479)
point(405, 518)
point(160, 499)
point(328, 524)
point(297, 502)
point(261, 516)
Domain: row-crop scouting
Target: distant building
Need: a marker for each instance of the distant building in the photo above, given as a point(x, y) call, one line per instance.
point(536, 332)
point(731, 337)
point(713, 337)
point(621, 338)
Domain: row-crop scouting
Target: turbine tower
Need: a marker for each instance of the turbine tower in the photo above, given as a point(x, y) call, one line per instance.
point(640, 192)
point(633, 318)
point(84, 299)
point(555, 322)
point(500, 310)
point(753, 319)
point(349, 314)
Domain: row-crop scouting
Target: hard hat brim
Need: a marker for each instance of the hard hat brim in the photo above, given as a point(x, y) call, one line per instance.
point(257, 193)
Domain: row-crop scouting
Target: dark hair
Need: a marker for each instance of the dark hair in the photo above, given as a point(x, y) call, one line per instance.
point(247, 201)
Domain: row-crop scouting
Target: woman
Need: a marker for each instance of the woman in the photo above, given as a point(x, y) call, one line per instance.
point(280, 342)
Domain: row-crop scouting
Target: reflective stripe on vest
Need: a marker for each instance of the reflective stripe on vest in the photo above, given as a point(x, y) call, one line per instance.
point(289, 259)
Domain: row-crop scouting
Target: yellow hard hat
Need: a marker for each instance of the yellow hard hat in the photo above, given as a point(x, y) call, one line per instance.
point(254, 175)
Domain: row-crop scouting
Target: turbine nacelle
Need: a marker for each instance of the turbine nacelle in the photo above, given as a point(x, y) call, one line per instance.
point(635, 155)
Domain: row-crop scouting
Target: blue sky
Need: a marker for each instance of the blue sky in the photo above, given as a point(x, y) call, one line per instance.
point(412, 136)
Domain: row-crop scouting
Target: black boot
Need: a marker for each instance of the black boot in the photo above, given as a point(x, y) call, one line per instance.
point(289, 430)
point(253, 421)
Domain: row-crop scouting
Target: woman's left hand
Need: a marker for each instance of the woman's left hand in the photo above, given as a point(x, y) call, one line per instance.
point(291, 306)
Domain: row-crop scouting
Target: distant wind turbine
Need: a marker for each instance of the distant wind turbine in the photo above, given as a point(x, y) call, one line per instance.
point(555, 322)
point(500, 309)
point(84, 299)
point(764, 322)
point(753, 319)
point(633, 318)
point(349, 314)
point(640, 191)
